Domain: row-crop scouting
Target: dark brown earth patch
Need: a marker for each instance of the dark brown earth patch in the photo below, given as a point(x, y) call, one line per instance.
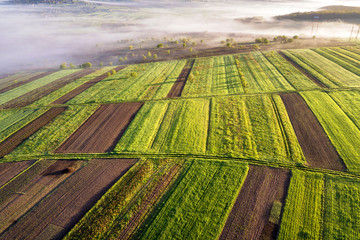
point(303, 71)
point(251, 211)
point(40, 92)
point(315, 144)
point(180, 82)
point(101, 132)
point(65, 206)
point(11, 169)
point(67, 97)
point(9, 144)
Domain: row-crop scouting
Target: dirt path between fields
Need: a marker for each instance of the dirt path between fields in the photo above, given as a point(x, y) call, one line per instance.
point(179, 84)
point(11, 169)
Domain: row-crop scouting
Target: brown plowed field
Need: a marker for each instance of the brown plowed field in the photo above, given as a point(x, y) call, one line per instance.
point(251, 211)
point(26, 192)
point(179, 84)
point(303, 71)
point(10, 170)
point(64, 207)
point(83, 87)
point(102, 130)
point(40, 92)
point(18, 137)
point(41, 75)
point(315, 144)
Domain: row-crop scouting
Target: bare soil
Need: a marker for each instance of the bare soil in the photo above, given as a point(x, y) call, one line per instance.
point(10, 170)
point(65, 206)
point(303, 71)
point(101, 132)
point(41, 75)
point(40, 92)
point(251, 211)
point(67, 97)
point(18, 137)
point(315, 144)
point(180, 82)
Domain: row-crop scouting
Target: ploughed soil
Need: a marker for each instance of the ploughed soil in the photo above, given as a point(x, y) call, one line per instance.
point(315, 144)
point(18, 137)
point(10, 170)
point(250, 214)
point(59, 211)
point(180, 82)
point(25, 191)
point(40, 92)
point(101, 132)
point(303, 71)
point(83, 87)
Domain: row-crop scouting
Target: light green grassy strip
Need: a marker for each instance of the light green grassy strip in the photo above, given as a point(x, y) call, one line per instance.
point(342, 132)
point(49, 137)
point(302, 215)
point(16, 119)
point(219, 84)
point(198, 207)
point(342, 207)
point(323, 76)
point(17, 92)
point(69, 87)
point(291, 73)
point(142, 131)
point(345, 55)
point(253, 85)
point(19, 77)
point(353, 50)
point(232, 76)
point(278, 81)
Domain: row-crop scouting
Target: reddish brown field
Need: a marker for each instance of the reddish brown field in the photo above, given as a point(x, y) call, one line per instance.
point(41, 75)
point(102, 130)
point(179, 84)
point(25, 191)
point(56, 214)
point(250, 213)
point(83, 87)
point(315, 144)
point(303, 71)
point(18, 137)
point(10, 170)
point(40, 92)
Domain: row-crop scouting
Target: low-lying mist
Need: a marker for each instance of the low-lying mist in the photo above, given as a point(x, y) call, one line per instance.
point(41, 36)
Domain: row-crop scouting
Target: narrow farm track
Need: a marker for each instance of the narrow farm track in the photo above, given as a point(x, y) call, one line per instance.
point(2, 90)
point(179, 84)
point(101, 132)
point(10, 170)
point(38, 93)
point(249, 216)
point(56, 214)
point(317, 148)
point(67, 97)
point(303, 71)
point(18, 137)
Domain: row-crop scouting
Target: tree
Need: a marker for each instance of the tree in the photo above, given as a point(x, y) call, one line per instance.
point(101, 64)
point(149, 54)
point(108, 74)
point(190, 49)
point(168, 52)
point(290, 40)
point(258, 40)
point(160, 45)
point(121, 59)
point(110, 63)
point(229, 44)
point(256, 47)
point(144, 57)
point(86, 65)
point(296, 37)
point(71, 66)
point(113, 72)
point(184, 44)
point(63, 66)
point(131, 47)
point(155, 56)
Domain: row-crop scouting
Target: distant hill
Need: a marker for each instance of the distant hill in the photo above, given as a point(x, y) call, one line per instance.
point(41, 1)
point(328, 13)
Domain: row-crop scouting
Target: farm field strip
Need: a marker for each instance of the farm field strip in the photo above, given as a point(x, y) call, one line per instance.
point(10, 143)
point(294, 74)
point(26, 192)
point(9, 80)
point(21, 90)
point(345, 54)
point(233, 81)
point(353, 50)
point(316, 146)
point(62, 208)
point(198, 206)
point(36, 94)
point(303, 211)
point(102, 130)
point(343, 133)
point(251, 211)
point(180, 82)
point(11, 169)
point(128, 203)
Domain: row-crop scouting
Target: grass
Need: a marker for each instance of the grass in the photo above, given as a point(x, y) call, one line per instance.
point(302, 217)
point(21, 90)
point(342, 132)
point(199, 205)
point(16, 78)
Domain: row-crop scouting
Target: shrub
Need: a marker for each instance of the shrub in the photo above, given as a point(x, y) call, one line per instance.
point(63, 66)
